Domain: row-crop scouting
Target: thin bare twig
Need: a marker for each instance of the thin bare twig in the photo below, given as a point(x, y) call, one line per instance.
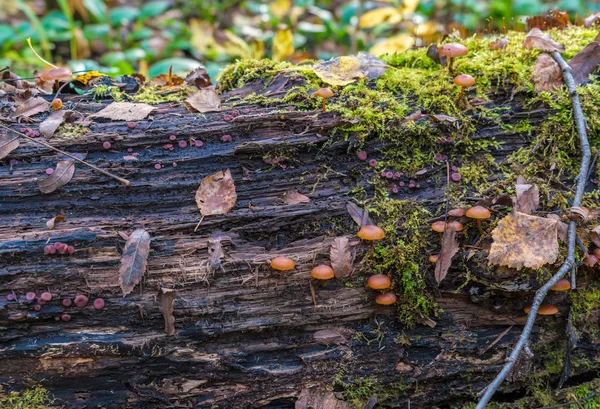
point(569, 262)
point(568, 403)
point(75, 158)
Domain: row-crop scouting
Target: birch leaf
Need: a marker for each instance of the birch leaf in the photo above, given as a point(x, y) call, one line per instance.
point(292, 197)
point(51, 124)
point(65, 169)
point(32, 107)
point(216, 194)
point(341, 258)
point(205, 100)
point(546, 74)
point(360, 216)
point(528, 197)
point(166, 298)
point(134, 260)
point(125, 111)
point(536, 38)
point(8, 143)
point(449, 249)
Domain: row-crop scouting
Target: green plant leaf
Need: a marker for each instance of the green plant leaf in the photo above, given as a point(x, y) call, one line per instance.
point(181, 66)
point(123, 15)
point(134, 54)
point(6, 33)
point(154, 8)
point(96, 8)
point(55, 20)
point(93, 31)
point(112, 58)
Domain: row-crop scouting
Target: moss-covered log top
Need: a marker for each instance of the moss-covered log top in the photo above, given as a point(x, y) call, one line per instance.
point(245, 337)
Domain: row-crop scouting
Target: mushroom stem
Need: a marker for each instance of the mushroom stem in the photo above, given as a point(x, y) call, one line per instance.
point(450, 64)
point(479, 227)
point(323, 106)
point(462, 91)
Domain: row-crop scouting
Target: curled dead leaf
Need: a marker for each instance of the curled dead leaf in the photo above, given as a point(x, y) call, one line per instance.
point(51, 124)
point(52, 222)
point(528, 197)
point(134, 260)
point(32, 106)
point(8, 143)
point(205, 100)
point(499, 44)
point(359, 215)
point(198, 78)
point(578, 213)
point(585, 62)
point(536, 38)
point(521, 240)
point(166, 298)
point(341, 257)
point(547, 75)
point(65, 169)
point(562, 227)
point(292, 197)
point(449, 249)
point(216, 194)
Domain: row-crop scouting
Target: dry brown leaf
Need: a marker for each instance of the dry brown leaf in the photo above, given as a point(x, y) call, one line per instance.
point(134, 260)
point(562, 227)
point(216, 194)
point(341, 257)
point(292, 197)
point(521, 240)
point(595, 235)
point(415, 116)
point(449, 249)
point(591, 20)
point(345, 70)
point(65, 169)
point(166, 298)
point(215, 250)
point(585, 62)
point(528, 197)
point(441, 118)
point(166, 80)
point(51, 124)
point(125, 111)
point(536, 38)
point(578, 213)
point(198, 78)
point(546, 74)
point(434, 54)
point(315, 399)
point(360, 216)
point(31, 107)
point(499, 44)
point(52, 222)
point(205, 100)
point(332, 336)
point(8, 143)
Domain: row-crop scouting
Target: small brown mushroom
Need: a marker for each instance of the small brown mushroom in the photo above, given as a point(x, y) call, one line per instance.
point(388, 298)
point(451, 51)
point(282, 264)
point(370, 233)
point(439, 226)
point(463, 81)
point(545, 309)
point(434, 258)
point(590, 260)
point(56, 74)
point(379, 282)
point(478, 213)
point(322, 272)
point(324, 93)
point(458, 226)
point(562, 285)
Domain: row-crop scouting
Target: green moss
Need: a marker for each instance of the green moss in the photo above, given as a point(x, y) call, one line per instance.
point(153, 95)
point(584, 302)
point(358, 391)
point(34, 397)
point(103, 91)
point(70, 131)
point(238, 74)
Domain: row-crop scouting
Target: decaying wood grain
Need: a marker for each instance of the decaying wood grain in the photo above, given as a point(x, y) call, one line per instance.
point(244, 337)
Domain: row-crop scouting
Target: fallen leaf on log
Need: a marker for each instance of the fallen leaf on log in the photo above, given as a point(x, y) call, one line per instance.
point(341, 257)
point(415, 116)
point(449, 249)
point(499, 44)
point(315, 399)
point(585, 62)
point(65, 169)
point(215, 250)
point(216, 194)
point(8, 143)
point(134, 260)
point(536, 38)
point(198, 78)
point(562, 227)
point(166, 80)
point(166, 297)
point(52, 222)
point(51, 124)
point(528, 197)
point(578, 213)
point(345, 70)
point(441, 118)
point(292, 197)
point(32, 107)
point(360, 216)
point(205, 100)
point(546, 74)
point(332, 336)
point(521, 240)
point(125, 111)
point(591, 20)
point(595, 236)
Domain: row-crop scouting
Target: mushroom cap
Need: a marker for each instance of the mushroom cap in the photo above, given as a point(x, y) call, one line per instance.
point(67, 302)
point(55, 74)
point(545, 309)
point(322, 272)
point(562, 285)
point(458, 226)
point(81, 301)
point(388, 298)
point(46, 296)
point(324, 93)
point(478, 212)
point(370, 232)
point(30, 296)
point(434, 258)
point(98, 303)
point(457, 212)
point(438, 226)
point(590, 260)
point(453, 50)
point(464, 80)
point(379, 282)
point(282, 263)
point(66, 317)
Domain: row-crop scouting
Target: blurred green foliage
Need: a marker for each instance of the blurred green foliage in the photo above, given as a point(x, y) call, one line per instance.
point(122, 37)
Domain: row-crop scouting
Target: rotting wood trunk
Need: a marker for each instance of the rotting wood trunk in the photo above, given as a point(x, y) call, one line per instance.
point(244, 336)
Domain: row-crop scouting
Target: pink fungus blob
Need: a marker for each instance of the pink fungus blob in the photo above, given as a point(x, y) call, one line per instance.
point(389, 175)
point(41, 302)
point(51, 250)
point(275, 160)
point(135, 154)
point(292, 167)
point(397, 175)
point(67, 302)
point(81, 301)
point(63, 250)
point(131, 125)
point(449, 139)
point(401, 184)
point(57, 245)
point(362, 155)
point(157, 166)
point(235, 113)
point(98, 303)
point(65, 317)
point(395, 189)
point(129, 149)
point(383, 173)
point(372, 163)
point(106, 145)
point(174, 164)
point(456, 176)
point(454, 168)
point(182, 144)
point(30, 296)
point(438, 156)
point(226, 138)
point(70, 250)
point(228, 118)
point(172, 138)
point(37, 307)
point(46, 296)
point(245, 111)
point(411, 185)
point(57, 318)
point(10, 297)
point(49, 171)
point(268, 160)
point(199, 144)
point(47, 249)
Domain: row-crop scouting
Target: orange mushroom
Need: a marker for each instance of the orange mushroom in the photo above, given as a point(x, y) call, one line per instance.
point(324, 93)
point(322, 272)
point(379, 282)
point(282, 264)
point(434, 258)
point(463, 81)
point(458, 226)
point(385, 298)
point(478, 213)
point(56, 74)
point(590, 260)
point(562, 285)
point(545, 309)
point(451, 51)
point(370, 232)
point(57, 104)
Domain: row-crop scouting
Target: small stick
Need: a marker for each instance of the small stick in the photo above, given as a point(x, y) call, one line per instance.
point(198, 225)
point(75, 158)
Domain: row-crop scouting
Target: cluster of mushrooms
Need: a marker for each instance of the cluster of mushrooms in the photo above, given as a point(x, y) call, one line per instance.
point(451, 51)
point(379, 282)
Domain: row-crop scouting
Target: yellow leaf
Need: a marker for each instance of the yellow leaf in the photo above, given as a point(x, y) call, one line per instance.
point(85, 78)
point(283, 45)
point(348, 69)
point(236, 47)
point(258, 49)
point(409, 7)
point(280, 8)
point(398, 44)
point(373, 18)
point(202, 37)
